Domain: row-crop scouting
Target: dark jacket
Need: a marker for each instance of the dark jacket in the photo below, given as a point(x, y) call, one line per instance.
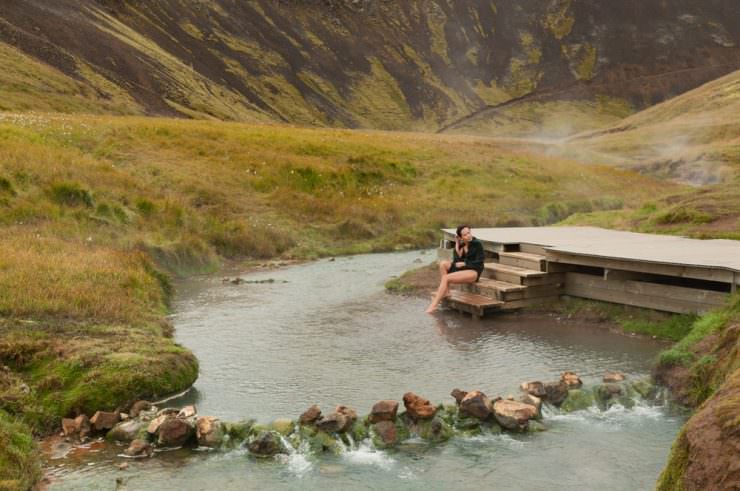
point(474, 259)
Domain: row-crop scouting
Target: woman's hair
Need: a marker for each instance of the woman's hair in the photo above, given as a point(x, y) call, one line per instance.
point(460, 229)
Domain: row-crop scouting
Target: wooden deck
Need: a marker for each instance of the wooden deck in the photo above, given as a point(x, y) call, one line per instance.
point(531, 264)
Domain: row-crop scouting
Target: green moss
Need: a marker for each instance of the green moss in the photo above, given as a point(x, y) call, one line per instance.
point(671, 479)
point(19, 464)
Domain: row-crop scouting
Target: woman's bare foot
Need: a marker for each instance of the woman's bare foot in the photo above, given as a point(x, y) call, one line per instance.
point(430, 309)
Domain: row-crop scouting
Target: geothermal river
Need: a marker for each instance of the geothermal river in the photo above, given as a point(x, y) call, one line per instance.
point(326, 333)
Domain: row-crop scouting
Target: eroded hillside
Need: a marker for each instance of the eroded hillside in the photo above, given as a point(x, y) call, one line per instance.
point(420, 65)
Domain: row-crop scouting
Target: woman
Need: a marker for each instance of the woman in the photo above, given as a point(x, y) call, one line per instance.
point(465, 267)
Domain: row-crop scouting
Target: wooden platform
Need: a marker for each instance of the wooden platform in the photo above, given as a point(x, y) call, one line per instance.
point(661, 272)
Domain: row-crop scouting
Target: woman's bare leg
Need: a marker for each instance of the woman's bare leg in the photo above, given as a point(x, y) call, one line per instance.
point(458, 277)
point(444, 269)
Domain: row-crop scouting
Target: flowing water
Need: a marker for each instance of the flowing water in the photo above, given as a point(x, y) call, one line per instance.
point(326, 333)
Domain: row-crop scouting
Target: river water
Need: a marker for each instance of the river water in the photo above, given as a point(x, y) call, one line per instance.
point(326, 333)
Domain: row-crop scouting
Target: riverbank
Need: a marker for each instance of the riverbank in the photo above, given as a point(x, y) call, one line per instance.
point(702, 371)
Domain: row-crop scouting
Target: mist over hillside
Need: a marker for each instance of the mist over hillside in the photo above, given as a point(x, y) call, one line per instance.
point(420, 65)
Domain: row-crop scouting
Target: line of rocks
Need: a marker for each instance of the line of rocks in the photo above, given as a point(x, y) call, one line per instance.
point(146, 427)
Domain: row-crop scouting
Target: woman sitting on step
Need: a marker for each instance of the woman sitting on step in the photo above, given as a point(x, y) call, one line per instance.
point(465, 267)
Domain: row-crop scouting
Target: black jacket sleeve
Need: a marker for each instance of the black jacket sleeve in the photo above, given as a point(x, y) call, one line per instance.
point(476, 257)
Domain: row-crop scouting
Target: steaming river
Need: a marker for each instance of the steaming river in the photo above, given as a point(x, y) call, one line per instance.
point(326, 333)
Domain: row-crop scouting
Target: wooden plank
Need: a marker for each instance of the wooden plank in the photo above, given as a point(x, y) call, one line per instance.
point(525, 260)
point(699, 273)
point(596, 288)
point(533, 249)
point(514, 270)
point(695, 295)
point(547, 279)
point(471, 303)
point(500, 290)
point(625, 298)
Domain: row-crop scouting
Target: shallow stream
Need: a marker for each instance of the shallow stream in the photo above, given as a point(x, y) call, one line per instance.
point(326, 333)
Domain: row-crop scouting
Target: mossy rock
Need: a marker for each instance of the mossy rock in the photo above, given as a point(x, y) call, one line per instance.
point(434, 430)
point(238, 432)
point(467, 423)
point(324, 442)
point(577, 400)
point(534, 426)
point(284, 426)
point(359, 431)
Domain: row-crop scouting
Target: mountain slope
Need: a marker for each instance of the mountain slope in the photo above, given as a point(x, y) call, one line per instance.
point(364, 63)
point(694, 137)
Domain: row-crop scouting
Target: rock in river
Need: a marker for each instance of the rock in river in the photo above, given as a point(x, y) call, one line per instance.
point(104, 420)
point(209, 431)
point(126, 431)
point(386, 434)
point(535, 388)
point(139, 448)
point(513, 415)
point(417, 407)
point(266, 444)
point(556, 392)
point(383, 411)
point(310, 415)
point(476, 404)
point(175, 432)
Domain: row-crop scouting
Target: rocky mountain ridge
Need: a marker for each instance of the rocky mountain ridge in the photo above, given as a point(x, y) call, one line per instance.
point(419, 65)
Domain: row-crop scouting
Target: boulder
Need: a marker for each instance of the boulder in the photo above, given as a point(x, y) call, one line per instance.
point(458, 394)
point(385, 410)
point(532, 401)
point(139, 448)
point(333, 423)
point(124, 416)
point(209, 431)
point(612, 377)
point(104, 420)
point(434, 430)
point(571, 380)
point(476, 404)
point(187, 412)
point(417, 407)
point(138, 407)
point(284, 426)
point(605, 392)
point(513, 415)
point(310, 415)
point(82, 425)
point(266, 444)
point(68, 427)
point(556, 392)
point(126, 431)
point(154, 424)
point(175, 432)
point(535, 388)
point(349, 413)
point(386, 434)
point(645, 388)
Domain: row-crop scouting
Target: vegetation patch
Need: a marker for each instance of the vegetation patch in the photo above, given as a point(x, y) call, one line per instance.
point(19, 466)
point(70, 194)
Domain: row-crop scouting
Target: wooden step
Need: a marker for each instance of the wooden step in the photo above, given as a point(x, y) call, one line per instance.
point(509, 274)
point(527, 260)
point(521, 276)
point(500, 290)
point(533, 249)
point(472, 303)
